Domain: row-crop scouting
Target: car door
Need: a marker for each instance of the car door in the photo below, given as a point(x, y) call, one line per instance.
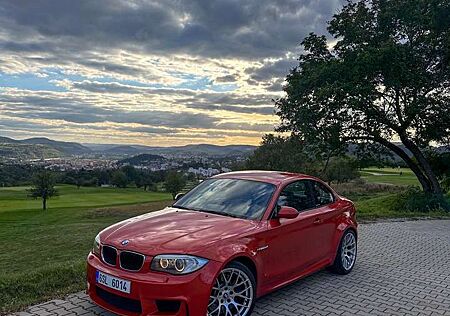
point(326, 214)
point(287, 242)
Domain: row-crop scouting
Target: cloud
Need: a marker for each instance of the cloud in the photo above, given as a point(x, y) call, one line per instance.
point(178, 70)
point(55, 112)
point(213, 28)
point(227, 78)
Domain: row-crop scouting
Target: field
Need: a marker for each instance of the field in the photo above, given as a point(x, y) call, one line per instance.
point(395, 176)
point(43, 252)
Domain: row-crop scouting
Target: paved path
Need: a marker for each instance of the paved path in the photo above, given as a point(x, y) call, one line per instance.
point(403, 268)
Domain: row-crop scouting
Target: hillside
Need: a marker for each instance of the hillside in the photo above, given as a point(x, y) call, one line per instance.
point(39, 148)
point(68, 148)
point(142, 159)
point(195, 150)
point(27, 151)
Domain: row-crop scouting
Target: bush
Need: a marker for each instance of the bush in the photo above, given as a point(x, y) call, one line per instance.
point(415, 200)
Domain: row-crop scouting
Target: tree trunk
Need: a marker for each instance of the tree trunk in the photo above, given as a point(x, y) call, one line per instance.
point(425, 166)
point(44, 204)
point(424, 181)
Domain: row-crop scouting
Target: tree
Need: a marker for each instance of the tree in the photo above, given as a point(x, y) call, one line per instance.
point(130, 172)
point(174, 183)
point(147, 182)
point(119, 179)
point(43, 187)
point(283, 154)
point(386, 78)
point(341, 169)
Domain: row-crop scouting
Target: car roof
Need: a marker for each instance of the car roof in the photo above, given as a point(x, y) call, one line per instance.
point(274, 177)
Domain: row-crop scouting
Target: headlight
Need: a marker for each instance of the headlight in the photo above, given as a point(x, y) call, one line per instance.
point(96, 246)
point(177, 264)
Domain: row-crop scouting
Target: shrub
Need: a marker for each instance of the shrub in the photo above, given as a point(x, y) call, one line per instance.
point(415, 200)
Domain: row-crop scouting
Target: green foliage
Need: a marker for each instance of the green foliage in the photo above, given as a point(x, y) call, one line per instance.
point(440, 162)
point(145, 181)
point(283, 154)
point(413, 200)
point(446, 183)
point(11, 175)
point(380, 206)
point(130, 172)
point(341, 169)
point(294, 155)
point(387, 76)
point(119, 179)
point(43, 187)
point(174, 183)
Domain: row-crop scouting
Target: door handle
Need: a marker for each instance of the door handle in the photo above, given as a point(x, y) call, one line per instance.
point(318, 221)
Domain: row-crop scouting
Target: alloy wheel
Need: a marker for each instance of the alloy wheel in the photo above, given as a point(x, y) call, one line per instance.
point(232, 294)
point(348, 251)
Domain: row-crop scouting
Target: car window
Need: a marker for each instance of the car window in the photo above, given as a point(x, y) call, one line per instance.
point(232, 197)
point(322, 195)
point(296, 195)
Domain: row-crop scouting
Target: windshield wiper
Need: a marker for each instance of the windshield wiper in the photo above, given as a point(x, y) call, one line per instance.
point(220, 213)
point(207, 211)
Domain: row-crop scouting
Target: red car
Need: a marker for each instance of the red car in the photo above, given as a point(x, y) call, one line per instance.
point(230, 240)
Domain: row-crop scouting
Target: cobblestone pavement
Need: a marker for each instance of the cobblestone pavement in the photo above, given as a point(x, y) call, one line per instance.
point(403, 268)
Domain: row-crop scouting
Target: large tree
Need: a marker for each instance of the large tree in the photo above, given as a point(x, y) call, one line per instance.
point(384, 78)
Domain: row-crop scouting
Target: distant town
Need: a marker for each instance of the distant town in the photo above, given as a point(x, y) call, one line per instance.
point(202, 160)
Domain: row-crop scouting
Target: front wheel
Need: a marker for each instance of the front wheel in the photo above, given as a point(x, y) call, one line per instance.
point(233, 292)
point(346, 254)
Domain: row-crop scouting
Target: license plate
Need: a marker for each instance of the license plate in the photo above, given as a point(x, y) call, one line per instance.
point(113, 282)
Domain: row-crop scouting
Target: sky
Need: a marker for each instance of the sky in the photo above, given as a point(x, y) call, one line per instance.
point(162, 73)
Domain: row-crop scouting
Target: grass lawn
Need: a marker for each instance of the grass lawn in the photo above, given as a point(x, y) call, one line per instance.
point(390, 176)
point(43, 252)
point(378, 206)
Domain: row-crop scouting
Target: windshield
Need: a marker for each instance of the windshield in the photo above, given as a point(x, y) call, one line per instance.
point(231, 197)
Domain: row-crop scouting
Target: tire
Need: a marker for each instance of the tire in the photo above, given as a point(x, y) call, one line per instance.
point(224, 295)
point(346, 253)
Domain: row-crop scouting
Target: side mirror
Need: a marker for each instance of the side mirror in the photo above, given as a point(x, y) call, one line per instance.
point(179, 196)
point(287, 212)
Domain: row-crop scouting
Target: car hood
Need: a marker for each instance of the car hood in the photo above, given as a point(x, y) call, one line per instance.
point(174, 231)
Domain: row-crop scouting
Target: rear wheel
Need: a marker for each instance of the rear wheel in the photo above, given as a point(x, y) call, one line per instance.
point(346, 254)
point(233, 292)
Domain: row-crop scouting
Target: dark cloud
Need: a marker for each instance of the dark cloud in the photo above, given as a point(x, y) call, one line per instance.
point(227, 78)
point(214, 28)
point(271, 70)
point(78, 111)
point(191, 99)
point(265, 110)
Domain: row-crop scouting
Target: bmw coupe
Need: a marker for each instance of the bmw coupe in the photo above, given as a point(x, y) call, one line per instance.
point(233, 238)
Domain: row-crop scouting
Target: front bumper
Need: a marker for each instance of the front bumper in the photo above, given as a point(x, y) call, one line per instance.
point(153, 293)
